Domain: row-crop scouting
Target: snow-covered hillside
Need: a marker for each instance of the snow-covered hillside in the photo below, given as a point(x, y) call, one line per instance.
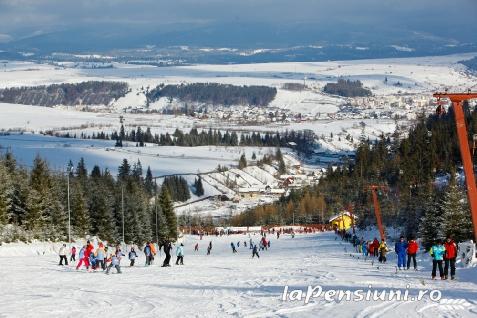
point(224, 284)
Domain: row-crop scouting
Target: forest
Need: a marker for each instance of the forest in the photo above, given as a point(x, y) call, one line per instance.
point(34, 203)
point(347, 88)
point(214, 94)
point(421, 173)
point(85, 93)
point(301, 141)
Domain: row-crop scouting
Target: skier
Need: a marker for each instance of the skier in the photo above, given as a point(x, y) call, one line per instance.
point(84, 255)
point(364, 248)
point(437, 252)
point(371, 249)
point(153, 253)
point(375, 247)
point(412, 248)
point(116, 261)
point(245, 243)
point(132, 256)
point(100, 256)
point(449, 257)
point(233, 247)
point(400, 249)
point(268, 243)
point(251, 243)
point(278, 235)
point(92, 261)
point(148, 253)
point(255, 251)
point(167, 251)
point(196, 248)
point(73, 254)
point(180, 254)
point(62, 254)
point(238, 244)
point(383, 250)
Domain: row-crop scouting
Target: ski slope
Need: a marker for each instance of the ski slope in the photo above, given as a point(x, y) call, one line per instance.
point(225, 284)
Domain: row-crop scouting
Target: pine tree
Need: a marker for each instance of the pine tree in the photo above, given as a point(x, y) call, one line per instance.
point(124, 170)
point(6, 194)
point(457, 220)
point(168, 210)
point(79, 213)
point(242, 162)
point(199, 188)
point(149, 182)
point(432, 223)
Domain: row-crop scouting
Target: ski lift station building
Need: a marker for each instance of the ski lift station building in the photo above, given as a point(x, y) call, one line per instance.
point(342, 221)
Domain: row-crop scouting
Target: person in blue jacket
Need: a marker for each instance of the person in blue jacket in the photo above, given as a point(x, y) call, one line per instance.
point(400, 249)
point(147, 252)
point(180, 254)
point(437, 252)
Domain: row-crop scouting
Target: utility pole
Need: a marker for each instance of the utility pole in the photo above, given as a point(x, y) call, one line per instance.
point(457, 100)
point(69, 209)
point(122, 208)
point(157, 234)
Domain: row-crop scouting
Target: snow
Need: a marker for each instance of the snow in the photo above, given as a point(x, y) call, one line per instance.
point(163, 160)
point(225, 284)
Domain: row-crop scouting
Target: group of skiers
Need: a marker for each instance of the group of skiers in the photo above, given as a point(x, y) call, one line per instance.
point(443, 254)
point(263, 244)
point(98, 258)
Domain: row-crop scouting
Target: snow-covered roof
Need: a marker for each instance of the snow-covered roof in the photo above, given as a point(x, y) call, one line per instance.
point(341, 214)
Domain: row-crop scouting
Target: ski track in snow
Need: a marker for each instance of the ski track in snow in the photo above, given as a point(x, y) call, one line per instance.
point(224, 284)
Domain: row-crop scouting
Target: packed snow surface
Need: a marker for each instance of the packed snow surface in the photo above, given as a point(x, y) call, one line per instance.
point(225, 284)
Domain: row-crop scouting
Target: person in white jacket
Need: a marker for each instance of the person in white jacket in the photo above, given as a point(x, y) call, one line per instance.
point(62, 253)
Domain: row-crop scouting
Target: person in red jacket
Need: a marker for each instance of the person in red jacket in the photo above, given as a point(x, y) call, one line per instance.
point(412, 248)
point(87, 252)
point(450, 257)
point(376, 247)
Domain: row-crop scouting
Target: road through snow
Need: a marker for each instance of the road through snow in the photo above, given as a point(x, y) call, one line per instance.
point(224, 284)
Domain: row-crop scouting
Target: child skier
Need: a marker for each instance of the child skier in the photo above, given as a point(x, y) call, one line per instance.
point(196, 248)
point(233, 247)
point(116, 261)
point(400, 249)
point(100, 256)
point(148, 253)
point(437, 252)
point(180, 254)
point(62, 254)
point(73, 254)
point(132, 257)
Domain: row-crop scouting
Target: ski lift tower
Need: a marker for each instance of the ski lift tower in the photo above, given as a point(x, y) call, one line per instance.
point(377, 209)
point(457, 99)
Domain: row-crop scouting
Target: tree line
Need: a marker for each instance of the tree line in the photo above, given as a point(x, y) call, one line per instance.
point(69, 94)
point(214, 94)
point(347, 88)
point(34, 203)
point(422, 193)
point(301, 141)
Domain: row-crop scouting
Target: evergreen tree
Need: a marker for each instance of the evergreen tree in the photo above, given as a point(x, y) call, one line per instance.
point(124, 170)
point(457, 219)
point(431, 224)
point(149, 182)
point(79, 213)
point(199, 188)
point(242, 162)
point(167, 209)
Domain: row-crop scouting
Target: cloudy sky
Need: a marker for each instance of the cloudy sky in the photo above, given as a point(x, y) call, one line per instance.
point(23, 19)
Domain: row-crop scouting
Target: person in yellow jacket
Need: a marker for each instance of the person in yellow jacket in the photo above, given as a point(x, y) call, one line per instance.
point(383, 250)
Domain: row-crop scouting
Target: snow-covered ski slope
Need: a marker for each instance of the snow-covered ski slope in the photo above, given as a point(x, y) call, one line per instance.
point(225, 284)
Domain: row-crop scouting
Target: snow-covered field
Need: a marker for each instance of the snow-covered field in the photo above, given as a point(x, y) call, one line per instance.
point(225, 284)
point(163, 160)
